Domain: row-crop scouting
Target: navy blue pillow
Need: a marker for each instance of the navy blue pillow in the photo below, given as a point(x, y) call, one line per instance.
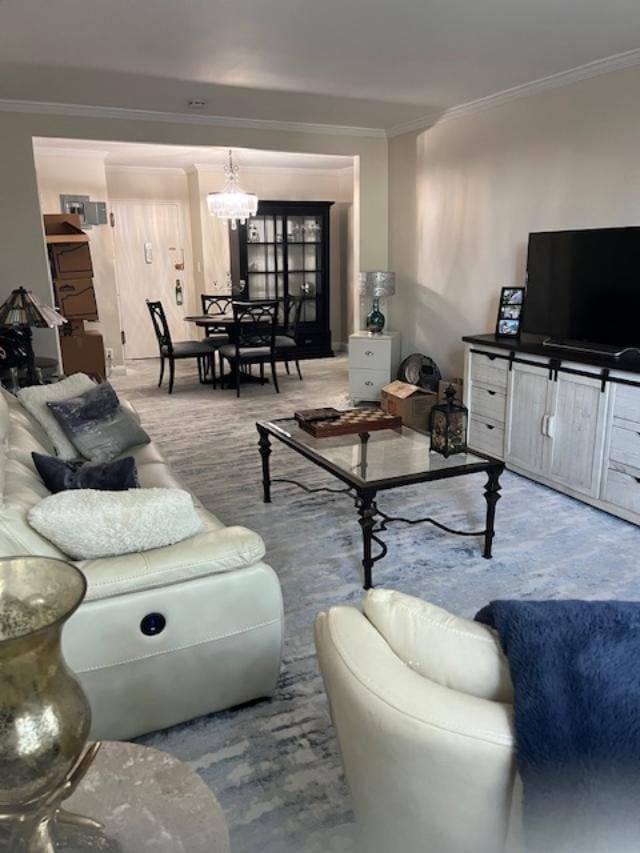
point(59, 475)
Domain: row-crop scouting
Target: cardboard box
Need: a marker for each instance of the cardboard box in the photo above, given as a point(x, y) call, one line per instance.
point(443, 384)
point(413, 404)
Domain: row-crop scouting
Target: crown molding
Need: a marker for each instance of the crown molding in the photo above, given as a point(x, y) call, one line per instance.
point(116, 169)
point(85, 153)
point(234, 122)
point(618, 62)
point(213, 168)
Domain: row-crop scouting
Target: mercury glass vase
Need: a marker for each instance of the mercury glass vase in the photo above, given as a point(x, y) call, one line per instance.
point(375, 318)
point(44, 714)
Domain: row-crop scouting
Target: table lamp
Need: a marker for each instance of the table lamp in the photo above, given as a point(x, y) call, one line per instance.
point(378, 285)
point(22, 310)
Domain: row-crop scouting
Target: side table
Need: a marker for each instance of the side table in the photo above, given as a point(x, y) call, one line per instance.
point(146, 800)
point(373, 363)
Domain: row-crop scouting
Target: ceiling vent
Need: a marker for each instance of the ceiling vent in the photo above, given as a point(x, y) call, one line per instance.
point(197, 104)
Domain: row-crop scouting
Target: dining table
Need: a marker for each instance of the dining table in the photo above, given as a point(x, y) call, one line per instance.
point(210, 321)
point(224, 322)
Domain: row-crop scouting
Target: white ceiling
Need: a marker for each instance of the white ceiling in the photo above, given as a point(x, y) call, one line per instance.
point(368, 62)
point(185, 157)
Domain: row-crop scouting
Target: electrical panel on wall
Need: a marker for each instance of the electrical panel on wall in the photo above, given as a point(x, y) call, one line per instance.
point(90, 212)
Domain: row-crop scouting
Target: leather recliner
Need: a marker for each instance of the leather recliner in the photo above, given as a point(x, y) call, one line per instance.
point(221, 604)
point(421, 703)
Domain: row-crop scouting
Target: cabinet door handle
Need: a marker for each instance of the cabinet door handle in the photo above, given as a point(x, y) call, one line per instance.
point(368, 382)
point(543, 425)
point(491, 393)
point(550, 421)
point(489, 426)
point(637, 479)
point(369, 352)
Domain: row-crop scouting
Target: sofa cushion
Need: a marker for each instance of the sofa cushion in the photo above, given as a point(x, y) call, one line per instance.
point(447, 649)
point(97, 425)
point(35, 399)
point(207, 553)
point(59, 475)
point(87, 523)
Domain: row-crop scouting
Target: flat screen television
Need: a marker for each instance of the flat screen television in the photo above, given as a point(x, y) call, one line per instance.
point(583, 288)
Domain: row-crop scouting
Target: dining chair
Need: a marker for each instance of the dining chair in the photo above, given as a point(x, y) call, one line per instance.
point(287, 338)
point(216, 305)
point(254, 339)
point(172, 351)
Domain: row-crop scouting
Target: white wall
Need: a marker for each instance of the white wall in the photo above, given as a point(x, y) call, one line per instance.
point(465, 194)
point(21, 244)
point(59, 174)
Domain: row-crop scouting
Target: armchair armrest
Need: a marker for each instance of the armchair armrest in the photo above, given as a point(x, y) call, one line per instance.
point(426, 765)
point(206, 553)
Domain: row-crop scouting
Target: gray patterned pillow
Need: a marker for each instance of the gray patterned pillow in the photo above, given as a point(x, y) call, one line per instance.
point(97, 425)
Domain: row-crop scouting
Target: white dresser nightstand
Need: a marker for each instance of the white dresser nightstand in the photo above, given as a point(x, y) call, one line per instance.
point(373, 362)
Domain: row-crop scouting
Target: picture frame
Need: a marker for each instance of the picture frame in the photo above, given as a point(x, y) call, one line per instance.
point(510, 311)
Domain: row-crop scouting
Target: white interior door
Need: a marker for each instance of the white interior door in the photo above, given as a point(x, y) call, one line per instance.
point(149, 244)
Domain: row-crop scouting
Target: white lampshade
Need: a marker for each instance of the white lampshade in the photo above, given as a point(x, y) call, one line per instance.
point(378, 284)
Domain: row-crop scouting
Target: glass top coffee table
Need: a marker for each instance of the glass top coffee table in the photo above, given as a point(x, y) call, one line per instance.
point(369, 463)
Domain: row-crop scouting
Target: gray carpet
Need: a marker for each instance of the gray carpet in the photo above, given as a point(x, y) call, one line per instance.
point(274, 764)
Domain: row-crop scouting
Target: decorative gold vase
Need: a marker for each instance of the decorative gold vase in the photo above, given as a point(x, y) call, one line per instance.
point(44, 714)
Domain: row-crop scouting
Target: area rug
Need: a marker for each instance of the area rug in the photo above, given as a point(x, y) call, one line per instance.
point(274, 765)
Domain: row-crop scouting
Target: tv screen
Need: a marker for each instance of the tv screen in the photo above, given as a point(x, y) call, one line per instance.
point(584, 286)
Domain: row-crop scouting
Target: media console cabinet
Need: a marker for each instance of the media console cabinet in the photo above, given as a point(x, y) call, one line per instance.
point(570, 421)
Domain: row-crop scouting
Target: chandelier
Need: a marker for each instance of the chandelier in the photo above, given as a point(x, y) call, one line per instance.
point(232, 203)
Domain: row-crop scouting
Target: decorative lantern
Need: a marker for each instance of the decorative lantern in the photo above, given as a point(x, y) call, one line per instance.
point(448, 425)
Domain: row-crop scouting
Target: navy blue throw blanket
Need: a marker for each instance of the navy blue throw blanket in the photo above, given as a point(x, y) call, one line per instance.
point(575, 667)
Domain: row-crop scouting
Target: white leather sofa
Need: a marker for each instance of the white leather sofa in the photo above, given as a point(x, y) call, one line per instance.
point(221, 645)
point(421, 704)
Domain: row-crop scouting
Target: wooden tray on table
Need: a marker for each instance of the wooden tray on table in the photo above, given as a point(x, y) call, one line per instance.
point(350, 422)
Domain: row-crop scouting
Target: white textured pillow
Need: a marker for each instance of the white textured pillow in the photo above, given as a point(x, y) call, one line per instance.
point(86, 523)
point(35, 398)
point(450, 650)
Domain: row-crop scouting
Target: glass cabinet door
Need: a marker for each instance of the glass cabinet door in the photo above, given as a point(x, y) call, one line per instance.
point(304, 229)
point(304, 255)
point(265, 257)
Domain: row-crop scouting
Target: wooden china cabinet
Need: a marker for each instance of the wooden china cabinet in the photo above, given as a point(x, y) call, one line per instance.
point(283, 252)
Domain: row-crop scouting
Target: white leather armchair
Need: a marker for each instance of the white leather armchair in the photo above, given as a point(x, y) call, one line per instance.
point(421, 704)
point(221, 639)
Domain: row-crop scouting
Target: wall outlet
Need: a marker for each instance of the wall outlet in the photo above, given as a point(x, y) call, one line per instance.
point(109, 353)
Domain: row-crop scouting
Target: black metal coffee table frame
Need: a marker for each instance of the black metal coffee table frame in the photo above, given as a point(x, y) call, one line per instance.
point(372, 519)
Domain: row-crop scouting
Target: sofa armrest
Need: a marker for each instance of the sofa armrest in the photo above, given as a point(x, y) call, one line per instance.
point(206, 553)
point(131, 409)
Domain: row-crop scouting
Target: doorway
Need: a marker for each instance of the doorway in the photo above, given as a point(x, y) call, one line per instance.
point(149, 245)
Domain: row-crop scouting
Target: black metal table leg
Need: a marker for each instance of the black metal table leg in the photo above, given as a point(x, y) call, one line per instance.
point(367, 511)
point(492, 496)
point(264, 445)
